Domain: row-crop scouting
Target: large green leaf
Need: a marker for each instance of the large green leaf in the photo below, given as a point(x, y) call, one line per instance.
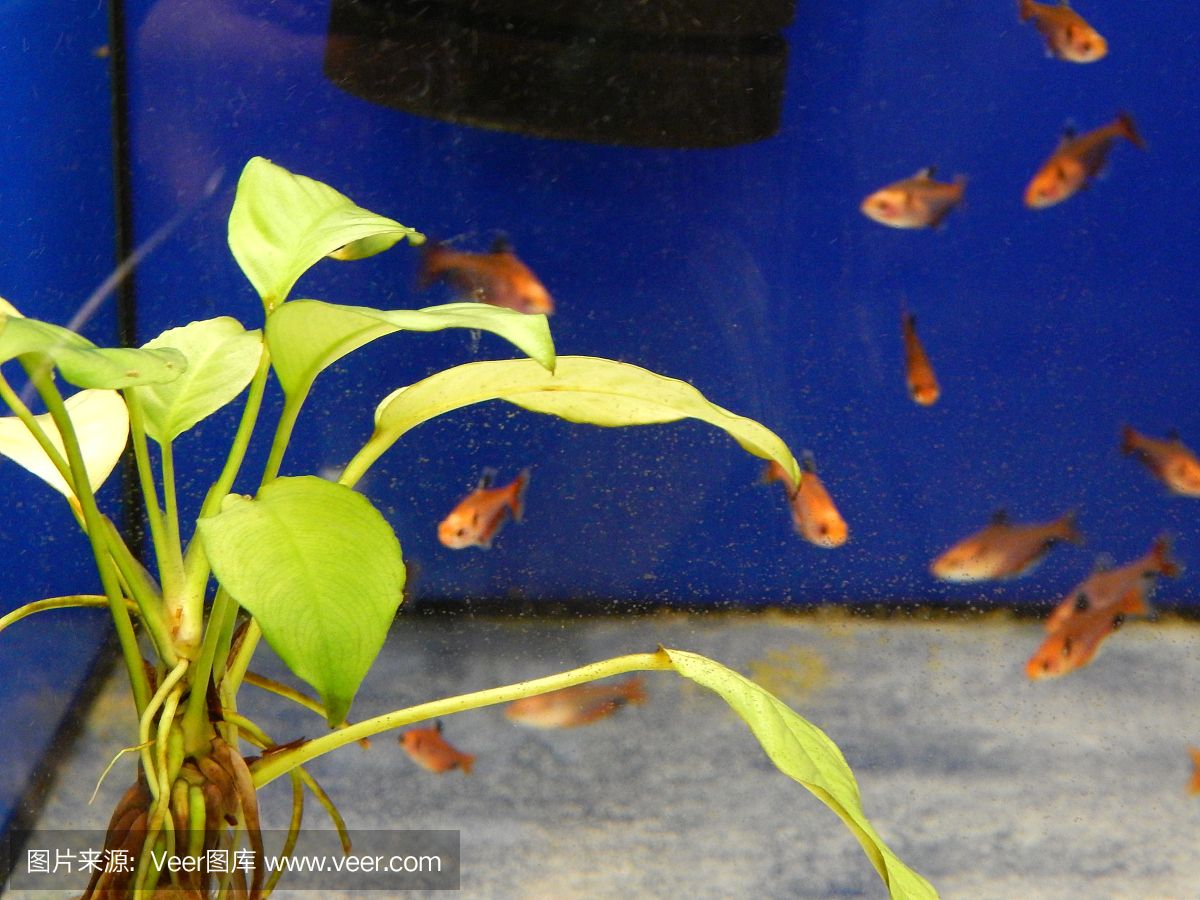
point(319, 569)
point(580, 389)
point(81, 362)
point(308, 336)
point(282, 224)
point(101, 424)
point(222, 358)
point(802, 751)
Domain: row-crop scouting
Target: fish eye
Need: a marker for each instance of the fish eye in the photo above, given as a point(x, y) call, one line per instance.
point(461, 532)
point(1082, 602)
point(823, 528)
point(1118, 620)
point(1066, 650)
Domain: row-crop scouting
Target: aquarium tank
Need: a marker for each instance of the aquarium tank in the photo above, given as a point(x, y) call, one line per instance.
point(487, 390)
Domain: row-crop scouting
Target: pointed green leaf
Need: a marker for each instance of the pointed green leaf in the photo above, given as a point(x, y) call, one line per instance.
point(101, 424)
point(319, 569)
point(802, 751)
point(581, 389)
point(308, 336)
point(222, 358)
point(81, 362)
point(282, 224)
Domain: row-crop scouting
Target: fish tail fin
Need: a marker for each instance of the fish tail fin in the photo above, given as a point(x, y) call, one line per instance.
point(1128, 440)
point(516, 501)
point(1025, 10)
point(1070, 528)
point(772, 472)
point(467, 762)
point(808, 462)
point(1160, 554)
point(634, 690)
point(434, 264)
point(1129, 130)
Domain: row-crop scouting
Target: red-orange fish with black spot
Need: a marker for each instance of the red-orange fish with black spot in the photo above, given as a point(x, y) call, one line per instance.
point(923, 385)
point(1003, 549)
point(580, 704)
point(1097, 607)
point(1068, 36)
point(432, 752)
point(1077, 160)
point(814, 515)
point(1170, 460)
point(916, 202)
point(497, 277)
point(477, 518)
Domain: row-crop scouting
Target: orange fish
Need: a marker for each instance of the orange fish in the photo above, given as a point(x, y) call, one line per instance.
point(922, 383)
point(1003, 549)
point(1066, 34)
point(1074, 643)
point(917, 202)
point(496, 277)
point(429, 750)
point(814, 514)
point(1076, 161)
point(478, 517)
point(1194, 785)
point(581, 704)
point(1106, 588)
point(1174, 464)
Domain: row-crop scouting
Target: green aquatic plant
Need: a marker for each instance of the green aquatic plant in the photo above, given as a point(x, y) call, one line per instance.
point(305, 563)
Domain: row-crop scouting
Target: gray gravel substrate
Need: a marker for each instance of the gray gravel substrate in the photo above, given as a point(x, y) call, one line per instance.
point(989, 785)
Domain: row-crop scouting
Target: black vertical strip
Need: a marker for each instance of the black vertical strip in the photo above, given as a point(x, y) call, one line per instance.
point(122, 169)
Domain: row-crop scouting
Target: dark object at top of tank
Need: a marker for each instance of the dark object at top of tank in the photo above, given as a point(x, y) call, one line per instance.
point(671, 73)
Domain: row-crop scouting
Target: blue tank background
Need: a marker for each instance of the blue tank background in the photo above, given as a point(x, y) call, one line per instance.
point(56, 215)
point(749, 272)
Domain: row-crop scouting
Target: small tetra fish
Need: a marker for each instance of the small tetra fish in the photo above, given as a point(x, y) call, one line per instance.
point(917, 202)
point(581, 704)
point(814, 515)
point(1106, 588)
point(496, 277)
point(1074, 643)
point(1003, 549)
point(478, 517)
point(922, 383)
point(1066, 33)
point(1078, 160)
point(1171, 462)
point(429, 750)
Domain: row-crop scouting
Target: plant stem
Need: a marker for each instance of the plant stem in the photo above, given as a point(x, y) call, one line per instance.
point(195, 564)
point(148, 602)
point(269, 768)
point(195, 714)
point(141, 454)
point(95, 531)
point(81, 600)
point(283, 435)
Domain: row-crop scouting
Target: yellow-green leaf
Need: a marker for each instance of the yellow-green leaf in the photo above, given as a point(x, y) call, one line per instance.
point(802, 751)
point(81, 362)
point(308, 336)
point(580, 389)
point(101, 424)
point(222, 358)
point(282, 224)
point(320, 570)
